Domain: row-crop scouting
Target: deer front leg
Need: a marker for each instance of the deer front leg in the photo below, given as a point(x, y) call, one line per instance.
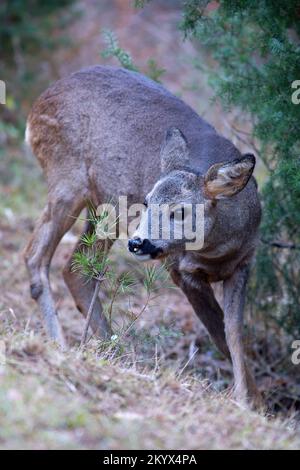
point(234, 301)
point(201, 296)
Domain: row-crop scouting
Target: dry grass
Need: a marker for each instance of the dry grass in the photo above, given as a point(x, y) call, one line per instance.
point(134, 397)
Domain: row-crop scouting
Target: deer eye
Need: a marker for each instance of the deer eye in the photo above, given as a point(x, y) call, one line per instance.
point(145, 203)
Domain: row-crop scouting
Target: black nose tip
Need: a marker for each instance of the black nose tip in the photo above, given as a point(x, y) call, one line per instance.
point(134, 244)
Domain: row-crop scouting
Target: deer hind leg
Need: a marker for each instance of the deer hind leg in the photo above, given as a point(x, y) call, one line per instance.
point(82, 292)
point(56, 219)
point(200, 295)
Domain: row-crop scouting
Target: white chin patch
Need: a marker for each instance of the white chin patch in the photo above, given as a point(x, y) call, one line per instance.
point(142, 257)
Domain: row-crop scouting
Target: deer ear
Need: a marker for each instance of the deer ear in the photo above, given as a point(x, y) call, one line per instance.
point(174, 153)
point(223, 180)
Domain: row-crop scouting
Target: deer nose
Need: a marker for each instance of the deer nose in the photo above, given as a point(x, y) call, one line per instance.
point(134, 244)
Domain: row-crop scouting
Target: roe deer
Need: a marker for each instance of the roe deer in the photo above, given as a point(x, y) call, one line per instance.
point(97, 134)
